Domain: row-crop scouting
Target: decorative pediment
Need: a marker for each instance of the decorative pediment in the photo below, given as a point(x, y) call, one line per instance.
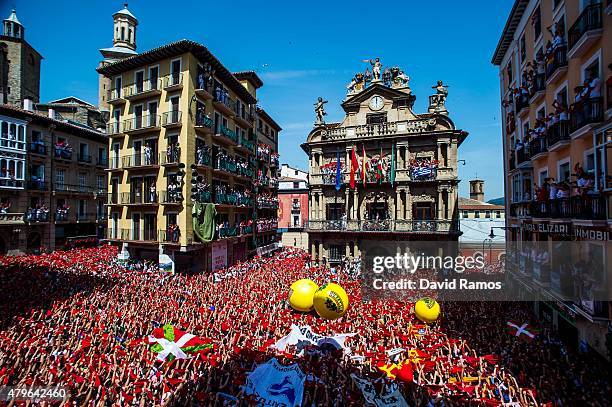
point(354, 101)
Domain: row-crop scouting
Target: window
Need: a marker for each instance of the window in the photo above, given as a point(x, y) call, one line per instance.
point(589, 162)
point(487, 214)
point(296, 172)
point(542, 177)
point(101, 182)
point(296, 185)
point(537, 23)
point(564, 171)
point(60, 177)
point(36, 135)
point(509, 72)
point(122, 33)
point(498, 214)
point(82, 180)
point(464, 214)
point(82, 208)
point(376, 118)
point(335, 252)
point(541, 112)
point(477, 214)
point(523, 49)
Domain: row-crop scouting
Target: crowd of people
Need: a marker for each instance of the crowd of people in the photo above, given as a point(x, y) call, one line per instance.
point(239, 196)
point(266, 224)
point(38, 213)
point(267, 200)
point(81, 319)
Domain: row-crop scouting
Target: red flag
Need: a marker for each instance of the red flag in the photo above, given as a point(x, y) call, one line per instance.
point(354, 167)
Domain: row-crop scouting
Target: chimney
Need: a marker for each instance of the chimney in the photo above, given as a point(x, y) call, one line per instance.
point(51, 113)
point(28, 104)
point(477, 190)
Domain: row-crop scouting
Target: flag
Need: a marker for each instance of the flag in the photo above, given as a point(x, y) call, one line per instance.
point(363, 166)
point(517, 331)
point(338, 172)
point(170, 342)
point(354, 167)
point(392, 175)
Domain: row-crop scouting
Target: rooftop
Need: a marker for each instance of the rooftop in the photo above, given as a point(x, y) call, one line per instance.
point(509, 29)
point(249, 76)
point(124, 11)
point(469, 203)
point(13, 17)
point(174, 49)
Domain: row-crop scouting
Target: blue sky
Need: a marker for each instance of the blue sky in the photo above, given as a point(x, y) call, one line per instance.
point(301, 50)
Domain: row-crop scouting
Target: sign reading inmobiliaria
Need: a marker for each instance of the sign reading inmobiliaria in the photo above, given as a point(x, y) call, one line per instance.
point(276, 385)
point(305, 336)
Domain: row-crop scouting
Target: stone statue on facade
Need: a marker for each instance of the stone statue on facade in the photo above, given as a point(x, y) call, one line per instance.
point(356, 84)
point(320, 110)
point(437, 102)
point(376, 69)
point(398, 78)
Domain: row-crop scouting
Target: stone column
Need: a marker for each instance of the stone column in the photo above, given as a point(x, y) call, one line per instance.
point(347, 207)
point(397, 205)
point(347, 249)
point(439, 211)
point(321, 206)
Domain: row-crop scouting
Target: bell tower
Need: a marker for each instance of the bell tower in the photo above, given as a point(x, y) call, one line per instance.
point(124, 45)
point(477, 189)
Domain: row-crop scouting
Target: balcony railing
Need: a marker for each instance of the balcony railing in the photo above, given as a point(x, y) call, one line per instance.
point(173, 117)
point(112, 198)
point(39, 148)
point(202, 197)
point(11, 183)
point(559, 60)
point(114, 163)
point(102, 162)
point(37, 215)
point(522, 155)
point(84, 158)
point(537, 146)
point(223, 99)
point(114, 94)
point(589, 19)
point(141, 88)
point(539, 83)
point(62, 153)
point(229, 134)
point(576, 207)
point(225, 165)
point(521, 102)
point(171, 197)
point(37, 185)
point(387, 225)
point(246, 143)
point(8, 143)
point(114, 128)
point(140, 160)
point(149, 234)
point(201, 120)
point(174, 79)
point(137, 198)
point(588, 111)
point(170, 236)
point(11, 218)
point(202, 158)
point(558, 132)
point(141, 123)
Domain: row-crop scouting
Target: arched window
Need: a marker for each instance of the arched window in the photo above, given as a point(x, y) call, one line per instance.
point(129, 34)
point(19, 174)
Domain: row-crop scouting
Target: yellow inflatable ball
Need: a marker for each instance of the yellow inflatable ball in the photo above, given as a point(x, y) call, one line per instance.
point(301, 294)
point(427, 310)
point(331, 301)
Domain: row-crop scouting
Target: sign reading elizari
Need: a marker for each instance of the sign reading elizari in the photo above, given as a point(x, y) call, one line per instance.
point(554, 228)
point(580, 232)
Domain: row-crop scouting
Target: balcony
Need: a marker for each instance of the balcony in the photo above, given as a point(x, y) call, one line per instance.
point(102, 162)
point(84, 159)
point(537, 148)
point(12, 143)
point(63, 216)
point(112, 198)
point(12, 218)
point(170, 236)
point(244, 118)
point(171, 119)
point(585, 31)
point(148, 235)
point(89, 217)
point(246, 172)
point(141, 90)
point(202, 197)
point(114, 129)
point(37, 185)
point(115, 96)
point(139, 198)
point(267, 204)
point(172, 157)
point(37, 147)
point(538, 91)
point(558, 135)
point(226, 165)
point(584, 113)
point(203, 123)
point(37, 216)
point(589, 207)
point(387, 225)
point(141, 124)
point(114, 164)
point(521, 106)
point(174, 81)
point(202, 158)
point(62, 153)
point(60, 187)
point(11, 183)
point(557, 65)
point(246, 144)
point(266, 225)
point(224, 103)
point(225, 134)
point(171, 197)
point(203, 90)
point(140, 161)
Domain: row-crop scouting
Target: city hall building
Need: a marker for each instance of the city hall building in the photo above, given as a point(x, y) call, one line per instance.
point(403, 165)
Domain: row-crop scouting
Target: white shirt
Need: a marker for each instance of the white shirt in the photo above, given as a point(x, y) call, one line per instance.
point(595, 87)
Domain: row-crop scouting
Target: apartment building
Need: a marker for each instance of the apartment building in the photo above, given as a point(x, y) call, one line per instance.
point(185, 132)
point(403, 165)
point(554, 60)
point(293, 206)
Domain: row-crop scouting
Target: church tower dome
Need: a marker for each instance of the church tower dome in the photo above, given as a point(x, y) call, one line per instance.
point(124, 29)
point(12, 27)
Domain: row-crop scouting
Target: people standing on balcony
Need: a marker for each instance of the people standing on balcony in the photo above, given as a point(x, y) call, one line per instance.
point(4, 207)
point(173, 233)
point(147, 154)
point(202, 151)
point(152, 193)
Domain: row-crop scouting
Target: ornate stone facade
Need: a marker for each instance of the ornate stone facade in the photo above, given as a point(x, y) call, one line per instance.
point(403, 165)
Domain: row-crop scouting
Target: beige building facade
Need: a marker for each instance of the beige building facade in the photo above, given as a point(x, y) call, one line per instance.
point(555, 74)
point(404, 164)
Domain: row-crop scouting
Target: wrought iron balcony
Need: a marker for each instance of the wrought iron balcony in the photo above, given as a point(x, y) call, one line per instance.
point(171, 236)
point(84, 158)
point(223, 102)
point(139, 198)
point(171, 197)
point(11, 183)
point(142, 89)
point(246, 143)
point(37, 185)
point(386, 225)
point(62, 153)
point(173, 80)
point(225, 165)
point(228, 134)
point(141, 123)
point(557, 134)
point(585, 30)
point(589, 111)
point(537, 146)
point(202, 159)
point(102, 162)
point(37, 215)
point(140, 160)
point(202, 197)
point(36, 147)
point(557, 64)
point(171, 118)
point(114, 129)
point(112, 198)
point(115, 96)
point(203, 122)
point(523, 155)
